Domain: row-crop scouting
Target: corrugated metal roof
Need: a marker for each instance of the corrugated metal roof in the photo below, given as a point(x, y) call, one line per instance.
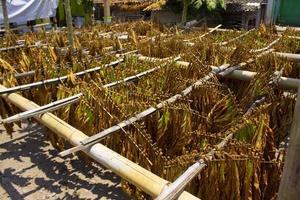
point(242, 5)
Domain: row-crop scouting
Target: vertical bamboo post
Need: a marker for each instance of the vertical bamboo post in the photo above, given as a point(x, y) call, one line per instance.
point(290, 182)
point(106, 5)
point(69, 22)
point(5, 15)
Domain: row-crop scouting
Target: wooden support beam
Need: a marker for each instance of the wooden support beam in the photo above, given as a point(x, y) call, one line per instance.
point(106, 5)
point(128, 170)
point(69, 23)
point(5, 15)
point(290, 182)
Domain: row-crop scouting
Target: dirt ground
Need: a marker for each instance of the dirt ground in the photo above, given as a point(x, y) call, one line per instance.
point(30, 169)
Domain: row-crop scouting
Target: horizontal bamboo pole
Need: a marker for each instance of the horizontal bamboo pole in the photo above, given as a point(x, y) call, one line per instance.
point(294, 37)
point(22, 46)
point(290, 83)
point(22, 75)
point(289, 56)
point(128, 170)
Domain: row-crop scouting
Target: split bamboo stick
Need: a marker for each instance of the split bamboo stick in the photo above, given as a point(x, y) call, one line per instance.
point(205, 34)
point(56, 80)
point(128, 170)
point(236, 38)
point(43, 109)
point(267, 47)
point(22, 46)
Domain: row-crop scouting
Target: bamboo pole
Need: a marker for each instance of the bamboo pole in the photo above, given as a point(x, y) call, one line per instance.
point(21, 75)
point(289, 188)
point(289, 56)
point(69, 22)
point(128, 170)
point(5, 16)
point(294, 37)
point(22, 46)
point(289, 83)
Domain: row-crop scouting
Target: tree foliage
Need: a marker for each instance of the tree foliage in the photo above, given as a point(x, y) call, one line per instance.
point(210, 4)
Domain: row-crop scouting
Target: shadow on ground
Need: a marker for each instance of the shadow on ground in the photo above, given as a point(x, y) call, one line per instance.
point(47, 172)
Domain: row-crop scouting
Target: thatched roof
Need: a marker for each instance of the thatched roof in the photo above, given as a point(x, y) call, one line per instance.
point(129, 5)
point(157, 5)
point(242, 5)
